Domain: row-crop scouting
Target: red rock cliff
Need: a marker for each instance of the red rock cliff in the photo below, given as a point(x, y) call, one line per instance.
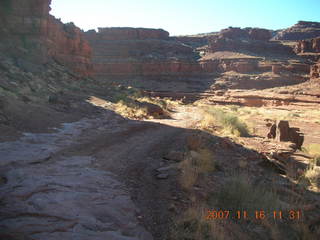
point(29, 32)
point(140, 52)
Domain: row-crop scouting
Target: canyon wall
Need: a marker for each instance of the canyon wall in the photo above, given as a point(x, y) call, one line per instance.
point(31, 35)
point(254, 40)
point(140, 52)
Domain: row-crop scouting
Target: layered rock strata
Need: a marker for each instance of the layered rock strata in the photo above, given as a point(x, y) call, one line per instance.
point(301, 30)
point(30, 34)
point(140, 52)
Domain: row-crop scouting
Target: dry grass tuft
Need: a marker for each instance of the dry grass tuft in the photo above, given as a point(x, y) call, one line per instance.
point(189, 174)
point(240, 194)
point(312, 174)
point(195, 163)
point(228, 121)
point(130, 110)
point(193, 225)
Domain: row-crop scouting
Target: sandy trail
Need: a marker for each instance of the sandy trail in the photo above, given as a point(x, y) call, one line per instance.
point(92, 179)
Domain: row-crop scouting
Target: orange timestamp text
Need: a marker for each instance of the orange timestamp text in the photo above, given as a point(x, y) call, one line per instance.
point(257, 214)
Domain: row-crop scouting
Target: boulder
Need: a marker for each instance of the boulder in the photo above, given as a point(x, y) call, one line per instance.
point(284, 133)
point(273, 131)
point(315, 71)
point(175, 156)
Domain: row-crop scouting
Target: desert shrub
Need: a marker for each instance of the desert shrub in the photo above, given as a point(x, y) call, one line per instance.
point(130, 103)
point(193, 225)
point(203, 160)
point(234, 108)
point(189, 174)
point(314, 151)
point(196, 163)
point(130, 110)
point(240, 194)
point(311, 177)
point(228, 121)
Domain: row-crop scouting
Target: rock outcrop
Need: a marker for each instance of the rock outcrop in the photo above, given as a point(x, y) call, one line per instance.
point(278, 68)
point(315, 71)
point(284, 133)
point(310, 45)
point(194, 42)
point(30, 34)
point(301, 30)
point(246, 33)
point(247, 44)
point(127, 33)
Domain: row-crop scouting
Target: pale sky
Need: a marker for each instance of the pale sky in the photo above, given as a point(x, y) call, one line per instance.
point(181, 17)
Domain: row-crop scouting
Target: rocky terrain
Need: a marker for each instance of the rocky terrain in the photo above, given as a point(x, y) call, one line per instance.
point(300, 31)
point(33, 37)
point(133, 134)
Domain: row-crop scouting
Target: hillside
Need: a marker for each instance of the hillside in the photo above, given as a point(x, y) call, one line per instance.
point(132, 134)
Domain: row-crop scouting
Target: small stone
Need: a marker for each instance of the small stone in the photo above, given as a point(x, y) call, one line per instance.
point(172, 208)
point(164, 169)
point(175, 156)
point(163, 176)
point(175, 198)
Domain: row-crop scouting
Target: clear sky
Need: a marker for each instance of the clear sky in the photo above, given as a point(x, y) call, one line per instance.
point(181, 17)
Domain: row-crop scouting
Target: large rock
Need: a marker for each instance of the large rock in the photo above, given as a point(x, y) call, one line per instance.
point(284, 133)
point(315, 71)
point(309, 45)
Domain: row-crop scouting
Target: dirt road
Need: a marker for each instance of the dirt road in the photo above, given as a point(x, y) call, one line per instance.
point(92, 179)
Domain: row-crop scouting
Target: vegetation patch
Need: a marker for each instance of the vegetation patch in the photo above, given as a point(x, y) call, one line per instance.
point(238, 193)
point(228, 121)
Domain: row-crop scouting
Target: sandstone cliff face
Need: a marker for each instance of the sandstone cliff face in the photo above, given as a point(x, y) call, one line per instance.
point(28, 32)
point(301, 30)
point(246, 33)
point(126, 33)
point(254, 40)
point(66, 44)
point(140, 52)
point(310, 45)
